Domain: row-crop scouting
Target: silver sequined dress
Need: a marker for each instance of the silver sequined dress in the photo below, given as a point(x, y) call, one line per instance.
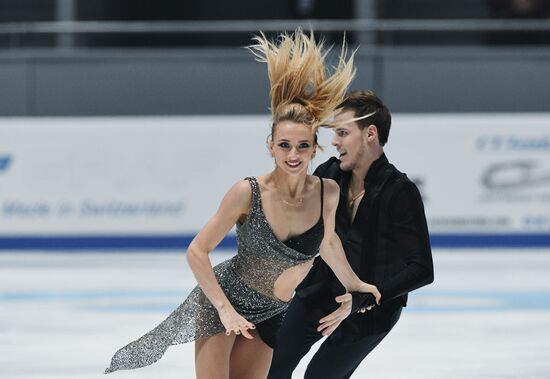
point(247, 280)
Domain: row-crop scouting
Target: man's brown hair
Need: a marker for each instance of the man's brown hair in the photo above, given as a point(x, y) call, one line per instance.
point(365, 102)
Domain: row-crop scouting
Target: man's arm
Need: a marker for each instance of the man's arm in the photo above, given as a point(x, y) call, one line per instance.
point(408, 223)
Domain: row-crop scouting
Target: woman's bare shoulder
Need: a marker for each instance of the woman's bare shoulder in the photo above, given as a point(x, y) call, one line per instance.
point(239, 194)
point(331, 192)
point(331, 187)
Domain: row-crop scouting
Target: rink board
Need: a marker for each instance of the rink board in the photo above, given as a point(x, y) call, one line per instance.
point(152, 182)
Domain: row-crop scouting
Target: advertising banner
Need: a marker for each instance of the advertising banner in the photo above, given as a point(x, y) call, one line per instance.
point(153, 182)
point(485, 178)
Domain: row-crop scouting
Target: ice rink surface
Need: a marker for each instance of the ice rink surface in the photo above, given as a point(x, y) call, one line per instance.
point(62, 316)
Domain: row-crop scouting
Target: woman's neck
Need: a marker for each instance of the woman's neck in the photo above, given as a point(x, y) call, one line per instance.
point(291, 186)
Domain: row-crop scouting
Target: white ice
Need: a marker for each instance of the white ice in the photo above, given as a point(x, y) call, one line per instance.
point(62, 316)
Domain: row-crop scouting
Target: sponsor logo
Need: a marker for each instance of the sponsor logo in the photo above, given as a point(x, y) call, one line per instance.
point(92, 209)
point(518, 174)
point(537, 221)
point(496, 143)
point(5, 161)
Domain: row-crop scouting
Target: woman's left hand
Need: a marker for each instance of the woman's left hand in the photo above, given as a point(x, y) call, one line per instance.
point(330, 322)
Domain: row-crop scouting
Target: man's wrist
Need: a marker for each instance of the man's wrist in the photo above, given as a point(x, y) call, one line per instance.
point(361, 300)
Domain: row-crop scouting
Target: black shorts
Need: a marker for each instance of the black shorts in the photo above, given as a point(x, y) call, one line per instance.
point(269, 328)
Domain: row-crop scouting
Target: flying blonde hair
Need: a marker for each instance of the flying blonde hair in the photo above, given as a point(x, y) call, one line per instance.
point(302, 90)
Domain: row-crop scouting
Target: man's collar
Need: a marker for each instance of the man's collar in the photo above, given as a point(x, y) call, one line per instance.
point(375, 168)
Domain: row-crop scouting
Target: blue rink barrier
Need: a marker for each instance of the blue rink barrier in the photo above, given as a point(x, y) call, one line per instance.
point(171, 242)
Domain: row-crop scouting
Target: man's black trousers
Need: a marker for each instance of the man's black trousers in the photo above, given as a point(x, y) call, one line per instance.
point(338, 356)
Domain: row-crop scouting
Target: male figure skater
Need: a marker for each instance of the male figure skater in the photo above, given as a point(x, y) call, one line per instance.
point(381, 223)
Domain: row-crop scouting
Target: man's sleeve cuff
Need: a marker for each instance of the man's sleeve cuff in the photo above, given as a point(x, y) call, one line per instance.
point(361, 300)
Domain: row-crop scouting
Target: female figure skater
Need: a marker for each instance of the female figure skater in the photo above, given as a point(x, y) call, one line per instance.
point(284, 219)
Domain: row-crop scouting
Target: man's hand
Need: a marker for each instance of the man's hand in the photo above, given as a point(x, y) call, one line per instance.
point(332, 321)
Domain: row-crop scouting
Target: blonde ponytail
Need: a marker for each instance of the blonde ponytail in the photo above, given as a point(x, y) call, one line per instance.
point(302, 90)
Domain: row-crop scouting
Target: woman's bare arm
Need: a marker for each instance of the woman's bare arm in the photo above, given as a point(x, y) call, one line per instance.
point(332, 250)
point(333, 254)
point(235, 204)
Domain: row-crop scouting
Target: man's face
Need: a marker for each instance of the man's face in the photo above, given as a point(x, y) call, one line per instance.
point(350, 141)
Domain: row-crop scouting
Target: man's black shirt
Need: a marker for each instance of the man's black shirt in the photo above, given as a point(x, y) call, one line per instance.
point(387, 244)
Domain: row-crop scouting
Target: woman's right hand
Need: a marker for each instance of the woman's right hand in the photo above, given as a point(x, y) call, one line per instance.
point(234, 322)
point(366, 288)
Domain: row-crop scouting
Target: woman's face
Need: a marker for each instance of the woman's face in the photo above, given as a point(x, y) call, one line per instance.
point(293, 147)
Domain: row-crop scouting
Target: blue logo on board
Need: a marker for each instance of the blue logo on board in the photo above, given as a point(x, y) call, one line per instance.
point(5, 161)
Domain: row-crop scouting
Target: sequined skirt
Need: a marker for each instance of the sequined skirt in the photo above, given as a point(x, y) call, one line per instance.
point(196, 318)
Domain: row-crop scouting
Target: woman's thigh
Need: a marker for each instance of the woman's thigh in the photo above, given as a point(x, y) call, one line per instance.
point(250, 359)
point(212, 356)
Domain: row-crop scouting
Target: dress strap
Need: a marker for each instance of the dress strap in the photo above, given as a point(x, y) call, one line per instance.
point(255, 192)
point(322, 194)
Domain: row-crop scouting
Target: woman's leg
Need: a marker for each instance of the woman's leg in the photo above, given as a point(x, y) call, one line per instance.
point(250, 359)
point(212, 356)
